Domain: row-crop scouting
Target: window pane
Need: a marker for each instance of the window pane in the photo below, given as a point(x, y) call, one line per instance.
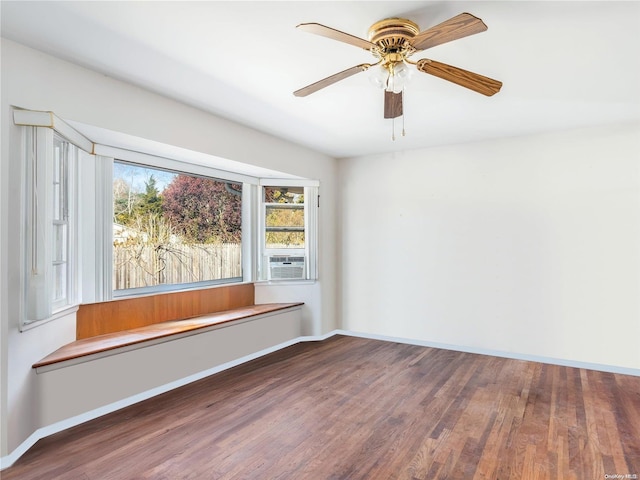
point(285, 217)
point(59, 282)
point(60, 152)
point(60, 231)
point(172, 228)
point(59, 243)
point(285, 239)
point(284, 222)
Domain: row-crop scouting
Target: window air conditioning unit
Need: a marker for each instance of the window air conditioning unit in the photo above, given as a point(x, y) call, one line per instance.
point(284, 267)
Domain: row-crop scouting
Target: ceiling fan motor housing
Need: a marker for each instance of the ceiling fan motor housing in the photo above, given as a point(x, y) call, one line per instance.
point(392, 36)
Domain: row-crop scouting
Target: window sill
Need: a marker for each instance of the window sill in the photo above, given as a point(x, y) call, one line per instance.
point(284, 282)
point(55, 316)
point(161, 289)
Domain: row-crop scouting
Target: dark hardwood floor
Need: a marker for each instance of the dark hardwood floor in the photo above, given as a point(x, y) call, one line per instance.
point(351, 408)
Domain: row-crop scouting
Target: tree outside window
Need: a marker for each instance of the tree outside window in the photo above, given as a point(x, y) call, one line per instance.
point(174, 228)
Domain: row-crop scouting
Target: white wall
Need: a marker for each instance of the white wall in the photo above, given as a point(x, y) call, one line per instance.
point(37, 81)
point(527, 246)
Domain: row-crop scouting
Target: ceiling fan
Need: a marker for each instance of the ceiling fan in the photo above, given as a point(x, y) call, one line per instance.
point(392, 41)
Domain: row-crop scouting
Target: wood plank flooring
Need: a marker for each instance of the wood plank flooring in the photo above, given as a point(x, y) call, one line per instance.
point(352, 408)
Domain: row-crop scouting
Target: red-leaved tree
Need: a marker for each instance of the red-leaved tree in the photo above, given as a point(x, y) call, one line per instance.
point(204, 210)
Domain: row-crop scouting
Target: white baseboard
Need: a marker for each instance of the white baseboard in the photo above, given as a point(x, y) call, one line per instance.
point(496, 353)
point(10, 459)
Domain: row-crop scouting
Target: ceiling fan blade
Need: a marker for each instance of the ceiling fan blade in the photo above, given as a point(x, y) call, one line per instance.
point(334, 34)
point(325, 82)
point(473, 81)
point(392, 104)
point(457, 27)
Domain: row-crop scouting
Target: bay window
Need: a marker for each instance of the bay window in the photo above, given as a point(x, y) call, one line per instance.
point(102, 222)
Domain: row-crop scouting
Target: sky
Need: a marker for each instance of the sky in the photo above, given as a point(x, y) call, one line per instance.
point(137, 176)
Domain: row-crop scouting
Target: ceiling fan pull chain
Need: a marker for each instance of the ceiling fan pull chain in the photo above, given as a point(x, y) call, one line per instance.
point(393, 129)
point(403, 133)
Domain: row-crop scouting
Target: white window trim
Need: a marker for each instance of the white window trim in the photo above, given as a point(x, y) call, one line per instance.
point(153, 161)
point(145, 159)
point(97, 276)
point(72, 309)
point(107, 155)
point(72, 232)
point(250, 232)
point(38, 152)
point(36, 235)
point(34, 118)
point(311, 207)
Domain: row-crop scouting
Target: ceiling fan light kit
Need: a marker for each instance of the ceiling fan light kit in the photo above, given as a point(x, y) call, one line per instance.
point(392, 41)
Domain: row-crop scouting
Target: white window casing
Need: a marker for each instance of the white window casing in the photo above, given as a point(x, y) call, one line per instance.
point(37, 225)
point(310, 250)
point(49, 241)
point(49, 180)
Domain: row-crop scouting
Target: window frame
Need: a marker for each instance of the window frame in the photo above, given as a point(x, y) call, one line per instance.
point(286, 228)
point(37, 232)
point(310, 250)
point(109, 155)
point(165, 164)
point(68, 190)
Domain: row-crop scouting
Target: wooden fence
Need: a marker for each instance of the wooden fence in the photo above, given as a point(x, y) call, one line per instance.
point(145, 265)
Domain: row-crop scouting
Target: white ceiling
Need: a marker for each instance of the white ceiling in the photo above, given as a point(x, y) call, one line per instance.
point(563, 64)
